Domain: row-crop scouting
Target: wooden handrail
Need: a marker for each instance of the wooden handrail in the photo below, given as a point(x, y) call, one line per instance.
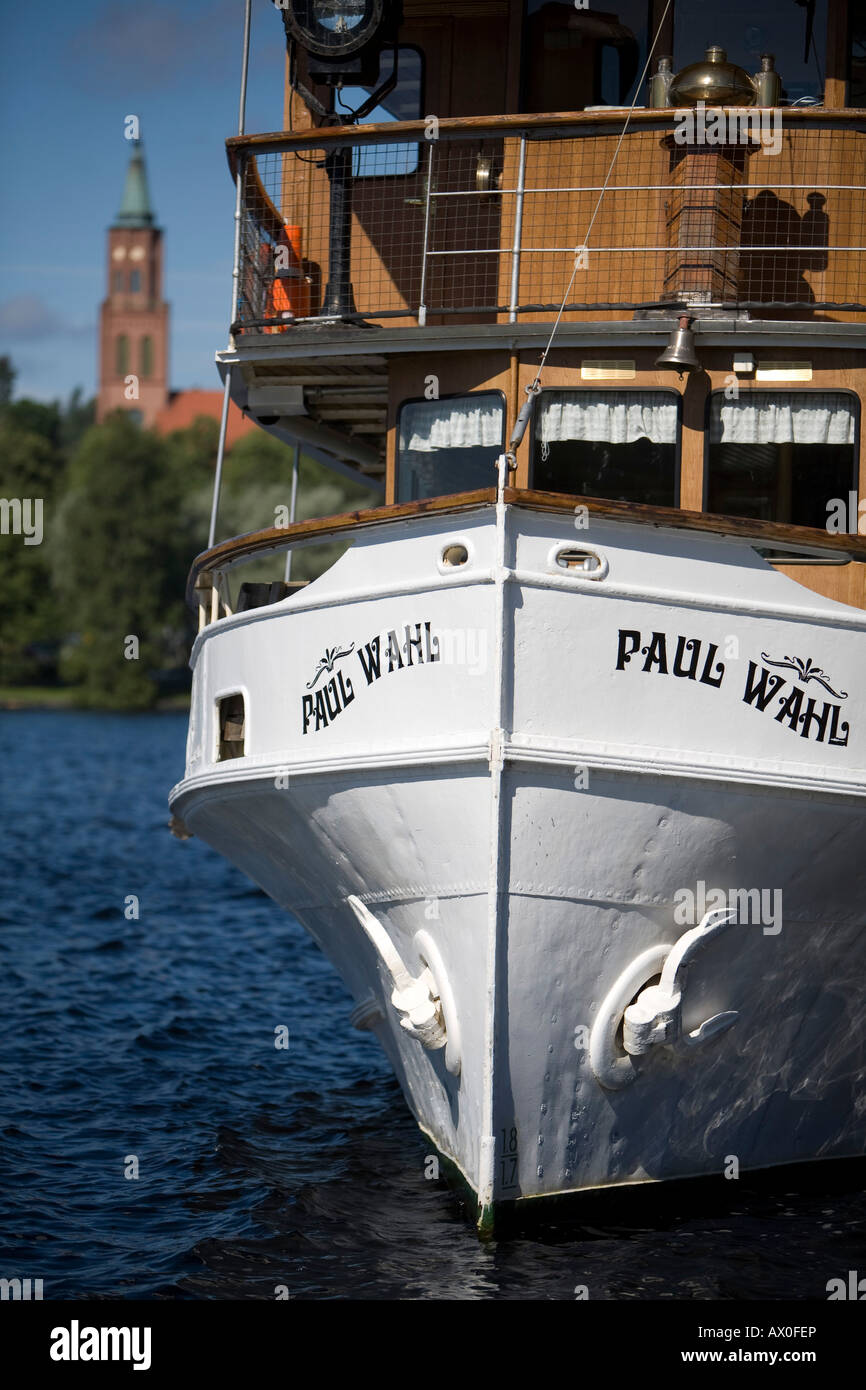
point(780, 533)
point(402, 131)
point(322, 527)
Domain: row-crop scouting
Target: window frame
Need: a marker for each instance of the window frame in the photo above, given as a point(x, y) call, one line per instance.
point(849, 59)
point(422, 87)
point(448, 396)
point(523, 80)
point(820, 41)
point(769, 391)
point(635, 390)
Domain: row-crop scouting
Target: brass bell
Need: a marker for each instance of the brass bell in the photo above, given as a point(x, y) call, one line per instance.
point(680, 351)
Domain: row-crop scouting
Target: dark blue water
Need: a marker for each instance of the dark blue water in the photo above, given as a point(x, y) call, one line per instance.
point(153, 1040)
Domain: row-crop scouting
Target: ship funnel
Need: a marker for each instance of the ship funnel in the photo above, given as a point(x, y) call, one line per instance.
point(680, 351)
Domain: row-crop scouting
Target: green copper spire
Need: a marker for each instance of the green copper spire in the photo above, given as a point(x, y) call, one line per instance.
point(135, 209)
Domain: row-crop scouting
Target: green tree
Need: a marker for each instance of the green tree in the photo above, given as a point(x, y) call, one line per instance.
point(120, 558)
point(29, 621)
point(124, 512)
point(76, 418)
point(7, 380)
point(192, 458)
point(34, 417)
point(35, 440)
point(257, 479)
point(193, 451)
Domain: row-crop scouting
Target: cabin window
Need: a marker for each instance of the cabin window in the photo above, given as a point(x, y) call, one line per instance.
point(576, 58)
point(746, 30)
point(615, 444)
point(781, 456)
point(449, 445)
point(403, 103)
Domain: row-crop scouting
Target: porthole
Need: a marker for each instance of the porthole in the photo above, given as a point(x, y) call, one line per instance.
point(453, 556)
point(579, 561)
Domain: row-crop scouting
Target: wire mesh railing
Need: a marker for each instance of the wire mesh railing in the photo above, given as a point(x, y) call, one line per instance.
point(481, 221)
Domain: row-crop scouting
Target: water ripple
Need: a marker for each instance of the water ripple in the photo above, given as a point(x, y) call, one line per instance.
point(148, 1045)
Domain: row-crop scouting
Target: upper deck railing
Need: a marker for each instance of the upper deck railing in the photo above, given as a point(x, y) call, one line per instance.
point(480, 219)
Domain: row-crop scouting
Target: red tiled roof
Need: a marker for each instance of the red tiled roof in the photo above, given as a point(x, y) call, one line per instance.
point(185, 407)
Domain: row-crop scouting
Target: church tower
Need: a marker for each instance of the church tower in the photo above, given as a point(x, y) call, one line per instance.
point(133, 342)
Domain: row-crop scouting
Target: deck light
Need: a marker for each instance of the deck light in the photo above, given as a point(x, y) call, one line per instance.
point(343, 40)
point(335, 29)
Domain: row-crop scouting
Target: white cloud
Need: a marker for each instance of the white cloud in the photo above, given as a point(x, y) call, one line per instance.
point(26, 318)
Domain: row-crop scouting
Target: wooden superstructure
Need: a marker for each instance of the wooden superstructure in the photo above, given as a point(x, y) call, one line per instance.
point(462, 235)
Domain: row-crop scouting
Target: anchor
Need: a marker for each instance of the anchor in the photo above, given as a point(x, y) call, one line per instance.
point(425, 1002)
point(655, 1017)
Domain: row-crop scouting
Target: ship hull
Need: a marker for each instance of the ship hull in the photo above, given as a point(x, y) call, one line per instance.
point(538, 780)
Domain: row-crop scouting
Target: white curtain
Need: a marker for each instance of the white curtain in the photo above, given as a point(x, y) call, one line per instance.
point(463, 423)
point(795, 417)
point(613, 417)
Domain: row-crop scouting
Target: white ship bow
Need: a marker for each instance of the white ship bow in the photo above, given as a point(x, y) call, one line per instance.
point(521, 759)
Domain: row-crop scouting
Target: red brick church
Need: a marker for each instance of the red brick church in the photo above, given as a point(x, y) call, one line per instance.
point(134, 324)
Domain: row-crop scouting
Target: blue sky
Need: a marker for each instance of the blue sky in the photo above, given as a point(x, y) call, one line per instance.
point(69, 75)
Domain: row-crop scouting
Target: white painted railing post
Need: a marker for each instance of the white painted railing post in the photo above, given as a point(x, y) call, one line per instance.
point(518, 234)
